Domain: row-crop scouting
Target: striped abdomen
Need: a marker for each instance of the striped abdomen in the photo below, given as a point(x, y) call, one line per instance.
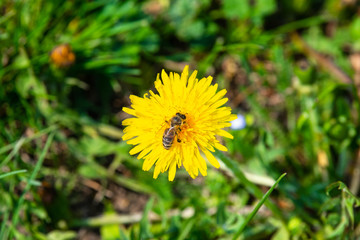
point(168, 137)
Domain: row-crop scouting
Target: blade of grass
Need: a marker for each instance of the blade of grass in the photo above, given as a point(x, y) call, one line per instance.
point(132, 184)
point(144, 232)
point(29, 139)
point(251, 187)
point(38, 165)
point(14, 151)
point(257, 207)
point(303, 23)
point(12, 173)
point(3, 230)
point(186, 230)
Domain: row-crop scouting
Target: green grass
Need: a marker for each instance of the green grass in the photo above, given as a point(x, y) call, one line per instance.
point(290, 68)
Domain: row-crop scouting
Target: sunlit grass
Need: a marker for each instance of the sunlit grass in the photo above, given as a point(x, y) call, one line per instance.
point(291, 69)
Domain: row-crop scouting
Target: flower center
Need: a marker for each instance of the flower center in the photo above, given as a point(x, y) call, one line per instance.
point(184, 132)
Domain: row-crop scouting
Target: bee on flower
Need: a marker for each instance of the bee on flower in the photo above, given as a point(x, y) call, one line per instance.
point(62, 55)
point(173, 127)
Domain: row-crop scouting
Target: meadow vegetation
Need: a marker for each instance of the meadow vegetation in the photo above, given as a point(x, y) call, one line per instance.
point(291, 69)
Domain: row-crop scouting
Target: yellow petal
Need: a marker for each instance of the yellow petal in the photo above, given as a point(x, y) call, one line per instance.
point(212, 160)
point(172, 171)
point(224, 133)
point(129, 111)
point(220, 147)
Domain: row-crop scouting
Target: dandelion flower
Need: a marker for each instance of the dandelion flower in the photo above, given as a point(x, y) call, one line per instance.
point(203, 118)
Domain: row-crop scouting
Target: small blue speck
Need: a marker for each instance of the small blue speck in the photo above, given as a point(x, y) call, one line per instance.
point(238, 123)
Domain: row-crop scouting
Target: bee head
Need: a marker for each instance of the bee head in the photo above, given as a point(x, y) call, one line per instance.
point(182, 116)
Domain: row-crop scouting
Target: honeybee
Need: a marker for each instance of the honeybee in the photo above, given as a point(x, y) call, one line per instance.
point(170, 133)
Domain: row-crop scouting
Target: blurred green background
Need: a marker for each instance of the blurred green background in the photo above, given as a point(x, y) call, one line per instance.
point(292, 71)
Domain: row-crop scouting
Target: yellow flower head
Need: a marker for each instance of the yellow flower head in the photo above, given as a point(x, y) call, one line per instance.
point(172, 128)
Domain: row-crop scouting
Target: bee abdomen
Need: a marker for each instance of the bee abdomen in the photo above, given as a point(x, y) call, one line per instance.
point(168, 138)
point(167, 143)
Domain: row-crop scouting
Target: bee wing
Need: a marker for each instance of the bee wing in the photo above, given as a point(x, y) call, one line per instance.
point(161, 128)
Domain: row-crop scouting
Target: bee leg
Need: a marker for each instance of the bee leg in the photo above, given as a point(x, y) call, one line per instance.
point(178, 140)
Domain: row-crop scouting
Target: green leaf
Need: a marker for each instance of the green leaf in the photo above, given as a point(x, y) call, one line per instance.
point(110, 232)
point(236, 9)
point(21, 61)
point(264, 7)
point(92, 170)
point(304, 118)
point(340, 190)
point(221, 215)
point(61, 235)
point(331, 191)
point(123, 235)
point(98, 146)
point(24, 83)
